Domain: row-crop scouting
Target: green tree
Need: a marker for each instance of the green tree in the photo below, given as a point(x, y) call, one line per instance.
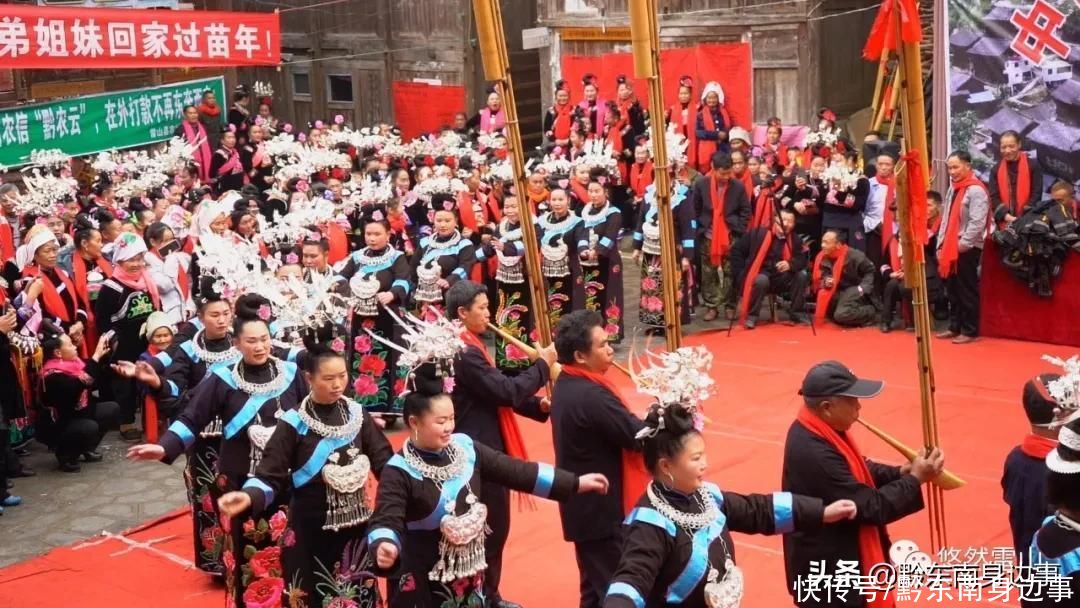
point(963, 129)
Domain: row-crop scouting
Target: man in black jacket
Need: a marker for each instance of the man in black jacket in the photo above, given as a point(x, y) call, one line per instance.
point(776, 260)
point(821, 460)
point(480, 391)
point(843, 282)
point(591, 428)
point(721, 223)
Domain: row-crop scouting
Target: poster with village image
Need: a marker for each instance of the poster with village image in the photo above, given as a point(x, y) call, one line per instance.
point(1015, 66)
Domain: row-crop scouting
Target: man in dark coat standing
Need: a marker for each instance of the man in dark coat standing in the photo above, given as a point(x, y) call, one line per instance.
point(485, 401)
point(592, 430)
point(723, 211)
point(822, 460)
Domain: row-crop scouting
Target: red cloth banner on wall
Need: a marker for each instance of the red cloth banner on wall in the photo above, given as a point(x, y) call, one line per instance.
point(421, 108)
point(67, 38)
point(728, 64)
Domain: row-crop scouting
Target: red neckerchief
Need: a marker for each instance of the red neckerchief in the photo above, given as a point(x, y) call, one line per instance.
point(508, 426)
point(950, 249)
point(1023, 184)
point(624, 112)
point(763, 209)
point(825, 295)
point(747, 181)
point(755, 269)
point(780, 150)
point(641, 176)
point(635, 477)
point(614, 138)
point(563, 121)
point(537, 198)
point(721, 237)
point(581, 192)
point(50, 296)
point(871, 552)
point(7, 241)
point(210, 110)
point(684, 124)
point(1038, 447)
point(78, 276)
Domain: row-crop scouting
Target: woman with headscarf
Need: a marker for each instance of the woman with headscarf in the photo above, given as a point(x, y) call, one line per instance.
point(193, 132)
point(124, 303)
point(50, 287)
point(712, 125)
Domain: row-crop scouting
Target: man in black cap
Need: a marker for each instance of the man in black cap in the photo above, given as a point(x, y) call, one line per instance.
point(1024, 480)
point(822, 460)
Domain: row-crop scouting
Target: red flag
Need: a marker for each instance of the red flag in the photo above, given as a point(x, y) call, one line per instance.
point(916, 201)
point(883, 32)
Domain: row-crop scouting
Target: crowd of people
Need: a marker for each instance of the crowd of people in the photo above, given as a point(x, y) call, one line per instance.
point(269, 297)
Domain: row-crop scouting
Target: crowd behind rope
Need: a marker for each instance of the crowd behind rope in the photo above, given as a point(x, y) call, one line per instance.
point(246, 278)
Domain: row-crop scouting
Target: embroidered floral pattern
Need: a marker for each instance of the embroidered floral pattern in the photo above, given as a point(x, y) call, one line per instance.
point(512, 317)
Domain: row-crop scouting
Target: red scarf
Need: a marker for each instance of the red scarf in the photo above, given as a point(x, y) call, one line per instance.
point(825, 295)
point(511, 433)
point(538, 198)
point(78, 276)
point(195, 132)
point(614, 139)
point(210, 110)
point(564, 121)
point(780, 150)
point(1038, 447)
point(581, 192)
point(1023, 184)
point(949, 254)
point(641, 177)
point(7, 242)
point(747, 182)
point(721, 239)
point(138, 282)
point(755, 269)
point(763, 209)
point(871, 551)
point(635, 477)
point(682, 117)
point(706, 148)
point(339, 242)
point(50, 296)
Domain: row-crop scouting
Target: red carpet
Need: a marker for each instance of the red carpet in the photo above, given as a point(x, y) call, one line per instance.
point(758, 373)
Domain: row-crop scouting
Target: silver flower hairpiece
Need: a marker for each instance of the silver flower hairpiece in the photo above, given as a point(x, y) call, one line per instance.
point(677, 378)
point(1065, 390)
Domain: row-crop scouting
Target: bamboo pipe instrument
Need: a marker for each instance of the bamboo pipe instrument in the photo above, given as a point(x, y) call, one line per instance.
point(531, 351)
point(945, 480)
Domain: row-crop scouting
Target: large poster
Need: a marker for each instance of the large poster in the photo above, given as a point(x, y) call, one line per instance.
point(1015, 65)
point(86, 125)
point(421, 108)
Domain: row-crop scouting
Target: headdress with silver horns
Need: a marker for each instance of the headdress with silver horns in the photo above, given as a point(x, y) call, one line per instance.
point(678, 378)
point(1065, 390)
point(436, 342)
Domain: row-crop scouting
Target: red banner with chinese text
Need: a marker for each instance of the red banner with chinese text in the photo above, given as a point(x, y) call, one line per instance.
point(68, 38)
point(421, 108)
point(726, 63)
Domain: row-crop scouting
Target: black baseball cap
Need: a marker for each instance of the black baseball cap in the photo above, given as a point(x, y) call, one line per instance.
point(832, 378)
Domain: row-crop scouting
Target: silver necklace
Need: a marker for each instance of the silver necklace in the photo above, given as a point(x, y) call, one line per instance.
point(547, 224)
point(273, 386)
point(436, 473)
point(691, 522)
point(506, 234)
point(366, 260)
point(351, 412)
point(210, 357)
point(434, 243)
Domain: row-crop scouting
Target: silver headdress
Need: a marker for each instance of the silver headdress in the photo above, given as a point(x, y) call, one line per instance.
point(599, 155)
point(1065, 390)
point(436, 342)
point(678, 378)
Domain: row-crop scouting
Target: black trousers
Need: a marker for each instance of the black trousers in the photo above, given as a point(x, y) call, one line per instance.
point(873, 253)
point(83, 434)
point(497, 500)
point(893, 294)
point(790, 284)
point(597, 561)
point(126, 394)
point(963, 289)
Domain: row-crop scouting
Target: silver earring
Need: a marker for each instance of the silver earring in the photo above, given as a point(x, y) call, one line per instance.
point(415, 435)
point(671, 478)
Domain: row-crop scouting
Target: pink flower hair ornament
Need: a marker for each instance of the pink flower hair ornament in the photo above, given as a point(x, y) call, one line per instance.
point(292, 258)
point(337, 345)
point(263, 312)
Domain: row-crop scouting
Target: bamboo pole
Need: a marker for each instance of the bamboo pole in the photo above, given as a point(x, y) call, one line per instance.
point(493, 50)
point(909, 78)
point(645, 34)
point(879, 80)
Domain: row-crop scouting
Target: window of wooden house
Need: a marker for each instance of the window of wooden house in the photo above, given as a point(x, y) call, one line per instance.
point(301, 82)
point(339, 88)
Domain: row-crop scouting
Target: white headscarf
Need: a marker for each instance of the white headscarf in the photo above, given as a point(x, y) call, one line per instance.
point(713, 87)
point(37, 238)
point(127, 246)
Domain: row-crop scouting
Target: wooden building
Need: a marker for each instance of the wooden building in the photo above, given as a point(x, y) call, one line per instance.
point(804, 54)
point(343, 58)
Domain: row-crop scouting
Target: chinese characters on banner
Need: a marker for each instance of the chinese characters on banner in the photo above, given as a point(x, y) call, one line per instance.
point(59, 38)
point(421, 108)
point(1016, 66)
point(91, 124)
